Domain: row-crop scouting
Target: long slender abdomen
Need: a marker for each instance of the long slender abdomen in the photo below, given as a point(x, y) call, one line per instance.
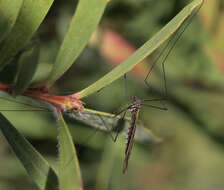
point(130, 138)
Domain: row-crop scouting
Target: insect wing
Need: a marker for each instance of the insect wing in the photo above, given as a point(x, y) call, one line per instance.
point(91, 118)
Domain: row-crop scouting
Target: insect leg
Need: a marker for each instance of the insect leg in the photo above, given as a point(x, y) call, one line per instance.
point(161, 100)
point(119, 125)
point(156, 107)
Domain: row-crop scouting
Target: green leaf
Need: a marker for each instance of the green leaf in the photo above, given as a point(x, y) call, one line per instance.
point(30, 17)
point(109, 160)
point(52, 181)
point(145, 50)
point(9, 10)
point(69, 171)
point(27, 67)
point(37, 167)
point(83, 24)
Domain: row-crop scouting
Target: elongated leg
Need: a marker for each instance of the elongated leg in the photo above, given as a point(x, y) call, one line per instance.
point(156, 107)
point(169, 47)
point(164, 76)
point(119, 125)
point(108, 129)
point(155, 62)
point(154, 99)
point(125, 88)
point(157, 99)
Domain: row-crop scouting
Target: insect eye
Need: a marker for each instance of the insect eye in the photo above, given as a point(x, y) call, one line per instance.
point(134, 98)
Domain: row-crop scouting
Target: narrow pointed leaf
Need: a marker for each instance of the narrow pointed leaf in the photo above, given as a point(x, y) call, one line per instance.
point(36, 166)
point(83, 24)
point(111, 152)
point(69, 171)
point(9, 10)
point(29, 19)
point(143, 51)
point(52, 181)
point(27, 67)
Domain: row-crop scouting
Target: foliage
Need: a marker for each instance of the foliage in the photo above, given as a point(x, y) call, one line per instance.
point(195, 86)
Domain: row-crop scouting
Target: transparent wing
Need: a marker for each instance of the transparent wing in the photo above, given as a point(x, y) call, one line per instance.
point(94, 119)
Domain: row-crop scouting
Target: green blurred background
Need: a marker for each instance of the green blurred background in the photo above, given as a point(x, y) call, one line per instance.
point(191, 155)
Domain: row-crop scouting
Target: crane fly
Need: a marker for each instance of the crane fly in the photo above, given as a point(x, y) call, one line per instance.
point(137, 103)
point(134, 108)
point(73, 104)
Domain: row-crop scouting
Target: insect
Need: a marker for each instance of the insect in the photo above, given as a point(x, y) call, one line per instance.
point(137, 103)
point(134, 108)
